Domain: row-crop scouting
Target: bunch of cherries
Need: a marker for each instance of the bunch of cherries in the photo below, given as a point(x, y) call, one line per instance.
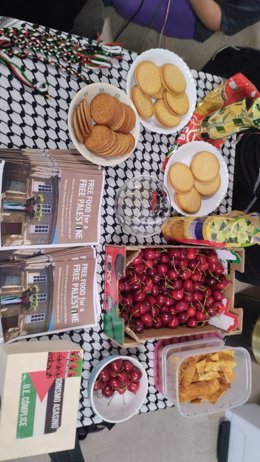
point(118, 376)
point(172, 287)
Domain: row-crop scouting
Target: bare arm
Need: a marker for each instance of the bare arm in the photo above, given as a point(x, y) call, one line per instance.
point(209, 12)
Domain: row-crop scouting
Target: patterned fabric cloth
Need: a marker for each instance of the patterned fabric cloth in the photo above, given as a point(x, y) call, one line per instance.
point(31, 120)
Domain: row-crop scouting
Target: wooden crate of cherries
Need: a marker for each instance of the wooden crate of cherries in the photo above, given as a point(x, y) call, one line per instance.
point(172, 288)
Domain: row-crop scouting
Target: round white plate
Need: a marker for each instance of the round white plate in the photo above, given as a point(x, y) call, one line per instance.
point(89, 92)
point(159, 57)
point(185, 154)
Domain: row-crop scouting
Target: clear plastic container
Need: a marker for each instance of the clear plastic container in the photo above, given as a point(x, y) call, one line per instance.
point(168, 382)
point(236, 395)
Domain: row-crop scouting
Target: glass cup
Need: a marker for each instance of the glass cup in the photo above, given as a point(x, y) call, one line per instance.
point(142, 206)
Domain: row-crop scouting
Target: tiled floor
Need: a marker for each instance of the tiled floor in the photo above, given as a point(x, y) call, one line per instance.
point(164, 435)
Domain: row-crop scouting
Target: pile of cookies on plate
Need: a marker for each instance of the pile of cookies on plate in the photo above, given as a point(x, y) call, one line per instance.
point(192, 184)
point(160, 92)
point(104, 126)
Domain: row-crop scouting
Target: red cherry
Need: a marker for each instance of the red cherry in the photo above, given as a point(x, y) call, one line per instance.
point(128, 365)
point(98, 385)
point(128, 299)
point(188, 286)
point(197, 306)
point(149, 254)
point(137, 325)
point(218, 296)
point(121, 390)
point(219, 269)
point(172, 310)
point(174, 253)
point(185, 274)
point(157, 323)
point(191, 254)
point(174, 323)
point(172, 274)
point(135, 375)
point(177, 294)
point(192, 322)
point(137, 260)
point(104, 375)
point(177, 285)
point(183, 317)
point(157, 278)
point(208, 301)
point(116, 365)
point(147, 320)
point(181, 306)
point(183, 264)
point(155, 311)
point(213, 258)
point(107, 391)
point(138, 296)
point(161, 269)
point(160, 299)
point(151, 300)
point(114, 383)
point(195, 276)
point(164, 258)
point(166, 318)
point(200, 316)
point(183, 254)
point(155, 290)
point(208, 292)
point(133, 387)
point(210, 311)
point(187, 297)
point(222, 283)
point(191, 311)
point(122, 378)
point(197, 297)
point(219, 307)
point(151, 271)
point(169, 301)
point(140, 268)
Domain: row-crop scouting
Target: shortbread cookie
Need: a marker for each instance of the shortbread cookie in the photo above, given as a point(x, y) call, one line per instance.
point(189, 201)
point(104, 109)
point(207, 188)
point(130, 119)
point(78, 133)
point(87, 116)
point(142, 102)
point(178, 103)
point(165, 116)
point(100, 137)
point(173, 78)
point(180, 177)
point(148, 78)
point(205, 166)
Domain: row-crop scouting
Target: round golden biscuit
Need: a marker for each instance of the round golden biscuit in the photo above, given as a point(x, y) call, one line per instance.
point(130, 119)
point(77, 131)
point(189, 201)
point(180, 177)
point(207, 188)
point(205, 166)
point(148, 78)
point(120, 118)
point(166, 117)
point(159, 95)
point(143, 103)
point(173, 78)
point(87, 115)
point(99, 138)
point(178, 103)
point(104, 109)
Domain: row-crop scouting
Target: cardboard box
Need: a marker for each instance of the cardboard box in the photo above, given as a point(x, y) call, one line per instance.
point(116, 260)
point(39, 389)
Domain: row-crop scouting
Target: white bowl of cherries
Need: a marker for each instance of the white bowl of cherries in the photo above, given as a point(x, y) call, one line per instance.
point(117, 388)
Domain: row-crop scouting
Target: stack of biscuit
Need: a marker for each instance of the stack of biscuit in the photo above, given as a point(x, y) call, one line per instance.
point(192, 183)
point(160, 92)
point(113, 121)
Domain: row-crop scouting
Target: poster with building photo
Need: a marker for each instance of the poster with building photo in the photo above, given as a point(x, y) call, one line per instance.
point(49, 198)
point(47, 291)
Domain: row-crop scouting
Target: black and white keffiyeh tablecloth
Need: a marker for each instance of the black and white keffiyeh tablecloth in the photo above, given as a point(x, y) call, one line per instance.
point(31, 120)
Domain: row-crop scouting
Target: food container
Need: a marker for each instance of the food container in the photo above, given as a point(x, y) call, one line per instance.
point(188, 346)
point(116, 260)
point(119, 407)
point(238, 393)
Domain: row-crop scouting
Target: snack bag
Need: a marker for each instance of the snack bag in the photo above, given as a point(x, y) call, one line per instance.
point(231, 119)
point(231, 230)
point(234, 89)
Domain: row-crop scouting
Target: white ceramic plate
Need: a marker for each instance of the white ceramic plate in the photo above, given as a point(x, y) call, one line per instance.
point(89, 92)
point(185, 154)
point(159, 57)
